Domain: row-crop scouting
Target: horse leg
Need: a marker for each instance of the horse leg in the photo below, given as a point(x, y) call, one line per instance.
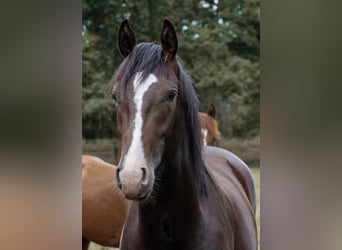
point(85, 243)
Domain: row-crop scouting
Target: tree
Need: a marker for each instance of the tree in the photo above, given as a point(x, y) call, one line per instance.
point(219, 47)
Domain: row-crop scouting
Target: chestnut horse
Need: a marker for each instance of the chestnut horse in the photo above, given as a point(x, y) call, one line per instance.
point(185, 196)
point(104, 209)
point(209, 127)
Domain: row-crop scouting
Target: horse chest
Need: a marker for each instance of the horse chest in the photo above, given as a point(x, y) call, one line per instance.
point(162, 232)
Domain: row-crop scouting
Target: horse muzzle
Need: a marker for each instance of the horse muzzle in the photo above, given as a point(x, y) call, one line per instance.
point(136, 183)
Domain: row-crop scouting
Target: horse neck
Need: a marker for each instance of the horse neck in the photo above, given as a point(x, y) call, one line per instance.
point(176, 186)
point(173, 214)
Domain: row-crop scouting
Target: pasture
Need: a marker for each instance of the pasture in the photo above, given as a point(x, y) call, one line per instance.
point(105, 148)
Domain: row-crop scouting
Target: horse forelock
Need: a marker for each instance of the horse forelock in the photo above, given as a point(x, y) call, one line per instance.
point(145, 58)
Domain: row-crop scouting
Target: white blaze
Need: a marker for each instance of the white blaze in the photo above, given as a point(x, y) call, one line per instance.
point(135, 153)
point(204, 133)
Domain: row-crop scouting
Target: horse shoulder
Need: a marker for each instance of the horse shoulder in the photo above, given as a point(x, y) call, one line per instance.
point(222, 161)
point(235, 183)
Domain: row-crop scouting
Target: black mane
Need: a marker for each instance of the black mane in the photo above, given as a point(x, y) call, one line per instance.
point(148, 58)
point(189, 103)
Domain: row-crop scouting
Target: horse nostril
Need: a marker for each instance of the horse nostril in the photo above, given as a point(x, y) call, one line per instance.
point(118, 182)
point(144, 176)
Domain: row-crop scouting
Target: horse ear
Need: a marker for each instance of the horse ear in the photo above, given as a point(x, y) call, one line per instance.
point(169, 42)
point(212, 110)
point(126, 38)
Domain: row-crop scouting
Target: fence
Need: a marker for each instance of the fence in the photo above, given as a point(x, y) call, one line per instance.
point(109, 149)
point(106, 149)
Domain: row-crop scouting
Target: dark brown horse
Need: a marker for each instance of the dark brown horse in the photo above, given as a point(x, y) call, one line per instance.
point(209, 127)
point(184, 196)
point(104, 209)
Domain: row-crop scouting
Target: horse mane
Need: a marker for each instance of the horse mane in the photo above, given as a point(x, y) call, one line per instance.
point(189, 102)
point(148, 58)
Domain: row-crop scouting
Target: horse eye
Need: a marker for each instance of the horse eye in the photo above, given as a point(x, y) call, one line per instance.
point(171, 95)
